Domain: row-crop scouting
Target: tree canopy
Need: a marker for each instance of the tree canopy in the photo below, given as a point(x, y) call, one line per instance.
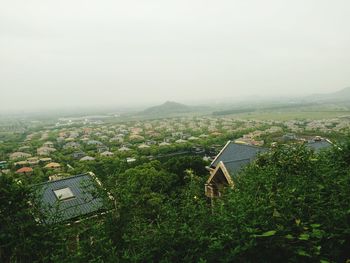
point(291, 204)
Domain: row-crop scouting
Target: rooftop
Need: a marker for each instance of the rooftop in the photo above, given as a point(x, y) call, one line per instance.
point(24, 170)
point(233, 167)
point(68, 198)
point(235, 152)
point(318, 145)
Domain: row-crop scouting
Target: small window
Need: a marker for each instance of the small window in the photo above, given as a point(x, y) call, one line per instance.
point(64, 193)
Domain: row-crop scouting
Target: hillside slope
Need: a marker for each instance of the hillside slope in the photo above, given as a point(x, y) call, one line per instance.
point(168, 107)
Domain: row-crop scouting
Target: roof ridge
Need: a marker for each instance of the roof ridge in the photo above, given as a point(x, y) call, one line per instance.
point(221, 151)
point(231, 161)
point(62, 179)
point(249, 145)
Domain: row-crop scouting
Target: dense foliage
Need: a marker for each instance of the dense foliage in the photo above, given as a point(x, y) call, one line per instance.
point(290, 205)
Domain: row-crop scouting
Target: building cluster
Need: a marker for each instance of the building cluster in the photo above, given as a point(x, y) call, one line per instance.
point(54, 149)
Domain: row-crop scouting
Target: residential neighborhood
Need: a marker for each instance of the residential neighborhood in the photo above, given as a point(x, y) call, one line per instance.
point(84, 173)
point(174, 131)
point(59, 149)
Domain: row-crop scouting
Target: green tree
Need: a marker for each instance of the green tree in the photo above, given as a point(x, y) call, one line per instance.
point(19, 234)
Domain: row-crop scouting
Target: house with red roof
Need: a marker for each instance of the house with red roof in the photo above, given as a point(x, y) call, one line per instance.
point(25, 170)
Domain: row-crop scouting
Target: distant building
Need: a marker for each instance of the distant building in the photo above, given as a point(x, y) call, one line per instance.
point(143, 146)
point(319, 143)
point(102, 149)
point(45, 160)
point(87, 158)
point(48, 144)
point(289, 137)
point(198, 150)
point(3, 164)
point(24, 148)
point(53, 166)
point(45, 151)
point(71, 145)
point(56, 177)
point(107, 154)
point(130, 160)
point(78, 155)
point(124, 149)
point(19, 155)
point(25, 170)
point(21, 163)
point(94, 142)
point(33, 160)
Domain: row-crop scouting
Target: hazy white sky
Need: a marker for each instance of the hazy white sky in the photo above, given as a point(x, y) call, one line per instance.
point(80, 52)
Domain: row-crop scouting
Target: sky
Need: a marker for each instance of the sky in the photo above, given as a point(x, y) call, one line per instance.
point(69, 53)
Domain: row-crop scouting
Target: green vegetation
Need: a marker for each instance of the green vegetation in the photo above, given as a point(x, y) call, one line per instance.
point(172, 109)
point(292, 115)
point(285, 112)
point(290, 205)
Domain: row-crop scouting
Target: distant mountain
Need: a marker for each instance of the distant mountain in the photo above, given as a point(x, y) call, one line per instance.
point(171, 108)
point(168, 107)
point(342, 95)
point(335, 100)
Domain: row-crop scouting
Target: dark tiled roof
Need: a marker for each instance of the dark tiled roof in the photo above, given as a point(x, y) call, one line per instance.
point(319, 145)
point(83, 203)
point(235, 152)
point(233, 167)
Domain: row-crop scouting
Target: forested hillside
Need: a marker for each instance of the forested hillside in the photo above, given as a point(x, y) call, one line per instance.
point(290, 205)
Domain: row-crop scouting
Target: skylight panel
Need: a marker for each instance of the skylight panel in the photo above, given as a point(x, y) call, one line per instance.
point(64, 193)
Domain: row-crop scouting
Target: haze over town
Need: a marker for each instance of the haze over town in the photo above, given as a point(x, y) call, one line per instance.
point(119, 53)
point(174, 131)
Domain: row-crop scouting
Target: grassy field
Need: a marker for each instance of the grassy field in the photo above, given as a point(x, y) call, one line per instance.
point(291, 115)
